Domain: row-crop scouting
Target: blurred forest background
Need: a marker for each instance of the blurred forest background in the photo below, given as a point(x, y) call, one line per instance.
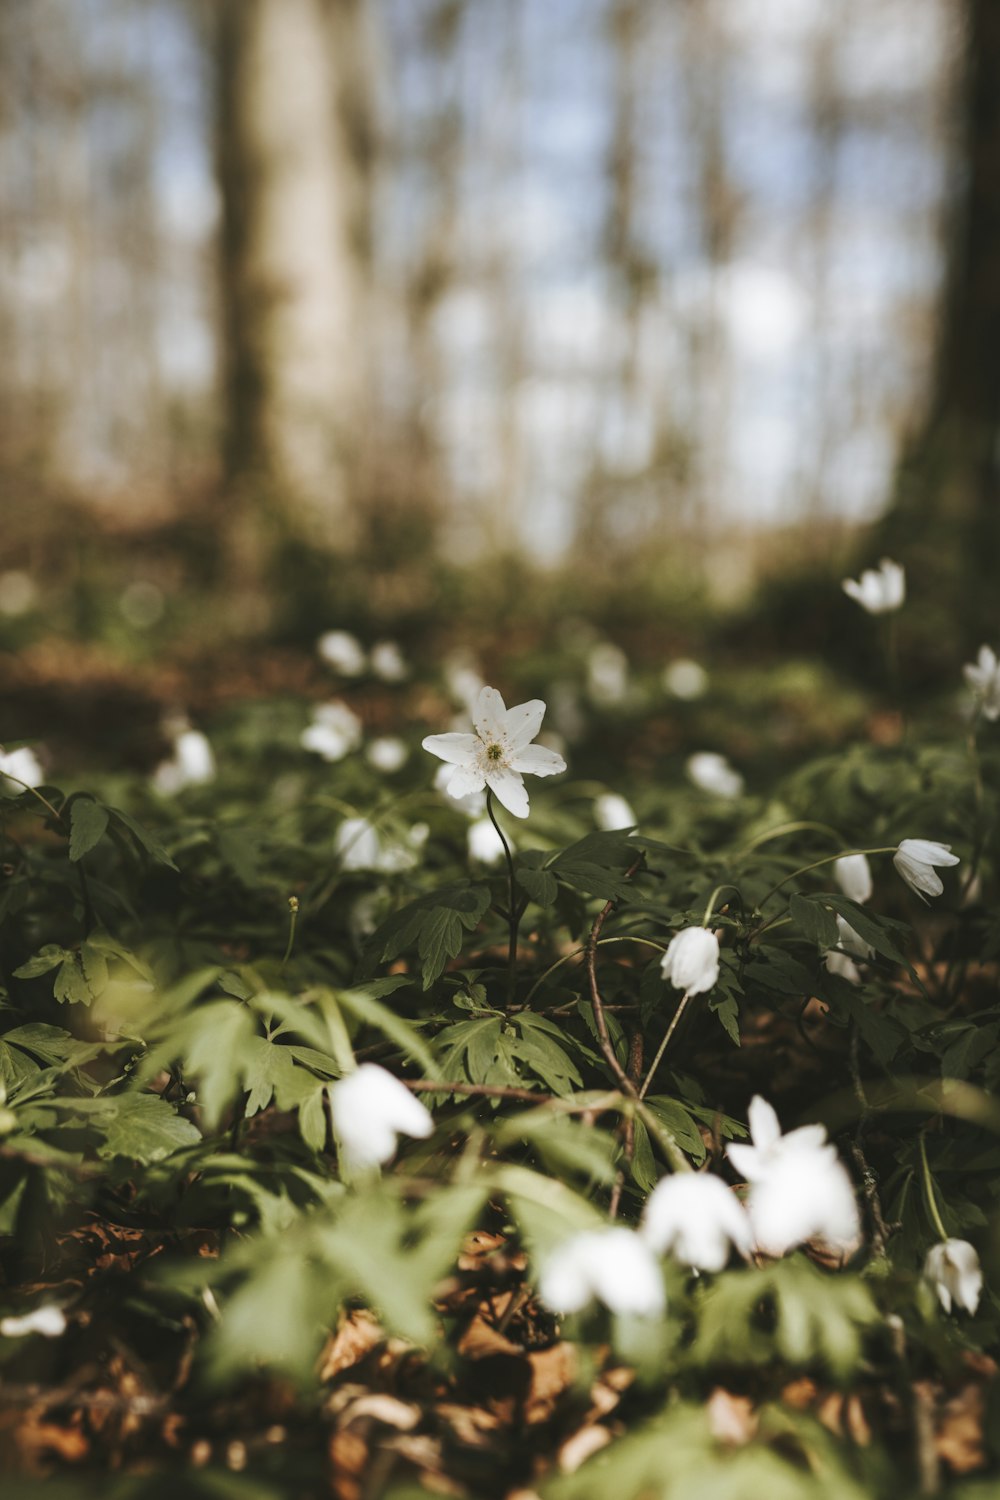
point(306, 304)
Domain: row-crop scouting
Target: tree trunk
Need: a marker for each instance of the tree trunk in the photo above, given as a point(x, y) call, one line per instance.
point(293, 254)
point(945, 523)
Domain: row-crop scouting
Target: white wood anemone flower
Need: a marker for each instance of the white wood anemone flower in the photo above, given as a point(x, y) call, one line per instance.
point(953, 1269)
point(691, 962)
point(369, 1108)
point(697, 1219)
point(853, 874)
point(711, 772)
point(800, 1191)
point(879, 590)
point(915, 860)
point(983, 677)
point(498, 753)
point(612, 1264)
point(48, 1320)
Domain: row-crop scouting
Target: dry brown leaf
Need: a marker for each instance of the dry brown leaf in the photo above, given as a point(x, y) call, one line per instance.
point(959, 1436)
point(731, 1419)
point(473, 1426)
point(578, 1448)
point(799, 1394)
point(553, 1371)
point(358, 1333)
point(481, 1338)
point(382, 1408)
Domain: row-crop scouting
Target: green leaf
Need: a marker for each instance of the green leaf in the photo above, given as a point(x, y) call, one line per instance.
point(594, 865)
point(88, 824)
point(142, 1127)
point(312, 1119)
point(726, 1007)
point(48, 958)
point(435, 924)
point(540, 1044)
point(365, 1007)
point(541, 885)
point(815, 919)
point(878, 932)
point(470, 1048)
point(71, 983)
point(146, 841)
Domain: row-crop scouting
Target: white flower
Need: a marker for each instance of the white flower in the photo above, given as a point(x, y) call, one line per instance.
point(691, 962)
point(387, 754)
point(387, 662)
point(607, 674)
point(18, 592)
point(878, 590)
point(370, 1107)
point(24, 765)
point(612, 1264)
point(499, 751)
point(953, 1269)
point(712, 772)
point(342, 651)
point(685, 679)
point(799, 1189)
point(915, 859)
point(840, 964)
point(852, 873)
point(851, 942)
point(698, 1219)
point(612, 812)
point(192, 763)
point(483, 842)
point(463, 678)
point(984, 679)
point(359, 847)
point(473, 805)
point(48, 1320)
point(333, 733)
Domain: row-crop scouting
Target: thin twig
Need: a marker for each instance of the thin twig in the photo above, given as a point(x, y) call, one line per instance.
point(480, 1090)
point(627, 1126)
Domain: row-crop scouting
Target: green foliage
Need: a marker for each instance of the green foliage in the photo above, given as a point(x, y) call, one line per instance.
point(185, 982)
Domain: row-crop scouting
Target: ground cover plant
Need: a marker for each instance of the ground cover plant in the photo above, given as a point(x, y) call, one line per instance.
point(380, 1119)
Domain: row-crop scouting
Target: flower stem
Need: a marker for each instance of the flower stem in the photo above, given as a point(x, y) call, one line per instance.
point(929, 1194)
point(293, 917)
point(663, 1045)
point(37, 794)
point(829, 859)
point(513, 909)
point(600, 1020)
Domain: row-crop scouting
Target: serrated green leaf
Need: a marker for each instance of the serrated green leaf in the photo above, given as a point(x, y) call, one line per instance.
point(88, 821)
point(815, 920)
point(142, 1127)
point(71, 983)
point(48, 958)
point(435, 924)
point(541, 885)
point(146, 840)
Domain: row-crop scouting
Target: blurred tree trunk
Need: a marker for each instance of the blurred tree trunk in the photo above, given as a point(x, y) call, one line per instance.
point(945, 523)
point(292, 151)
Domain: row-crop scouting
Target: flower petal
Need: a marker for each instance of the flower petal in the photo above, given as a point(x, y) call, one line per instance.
point(490, 716)
point(523, 722)
point(538, 761)
point(510, 791)
point(764, 1127)
point(457, 749)
point(465, 780)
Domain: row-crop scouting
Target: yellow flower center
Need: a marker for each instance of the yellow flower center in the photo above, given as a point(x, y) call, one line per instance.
point(494, 752)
